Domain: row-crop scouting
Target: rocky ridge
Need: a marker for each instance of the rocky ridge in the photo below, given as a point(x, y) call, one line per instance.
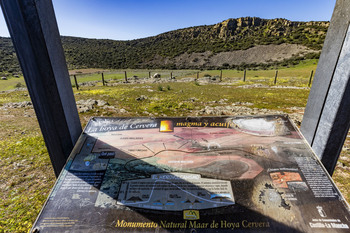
point(203, 45)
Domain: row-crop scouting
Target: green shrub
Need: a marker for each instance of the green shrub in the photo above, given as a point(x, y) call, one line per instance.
point(18, 85)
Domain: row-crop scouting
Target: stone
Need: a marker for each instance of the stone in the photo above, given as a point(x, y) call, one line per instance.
point(102, 103)
point(23, 104)
point(141, 98)
point(87, 105)
point(156, 75)
point(83, 109)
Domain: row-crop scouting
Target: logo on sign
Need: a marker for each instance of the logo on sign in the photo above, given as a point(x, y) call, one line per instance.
point(191, 214)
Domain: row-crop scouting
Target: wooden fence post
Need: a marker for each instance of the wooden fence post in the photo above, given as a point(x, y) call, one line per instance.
point(76, 82)
point(220, 75)
point(149, 74)
point(244, 75)
point(276, 74)
point(197, 76)
point(310, 79)
point(103, 80)
point(126, 77)
point(171, 75)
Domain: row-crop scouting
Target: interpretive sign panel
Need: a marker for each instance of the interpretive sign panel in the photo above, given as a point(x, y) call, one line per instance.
point(205, 174)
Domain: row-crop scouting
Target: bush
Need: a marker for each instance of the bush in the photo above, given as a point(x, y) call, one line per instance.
point(226, 65)
point(18, 85)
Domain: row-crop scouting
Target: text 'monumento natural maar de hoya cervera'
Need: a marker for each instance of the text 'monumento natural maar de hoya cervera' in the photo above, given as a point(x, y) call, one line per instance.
point(205, 174)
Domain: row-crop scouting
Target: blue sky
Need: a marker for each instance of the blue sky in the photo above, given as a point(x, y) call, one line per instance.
point(132, 19)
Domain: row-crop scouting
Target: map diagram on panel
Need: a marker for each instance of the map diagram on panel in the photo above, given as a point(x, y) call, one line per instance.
point(214, 155)
point(200, 150)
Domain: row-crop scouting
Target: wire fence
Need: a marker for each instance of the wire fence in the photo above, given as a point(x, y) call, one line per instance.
point(268, 77)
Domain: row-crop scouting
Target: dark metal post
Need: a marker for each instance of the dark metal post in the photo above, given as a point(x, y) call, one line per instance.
point(126, 77)
point(244, 75)
point(34, 32)
point(275, 81)
point(171, 75)
point(149, 74)
point(220, 75)
point(76, 82)
point(310, 79)
point(327, 116)
point(103, 80)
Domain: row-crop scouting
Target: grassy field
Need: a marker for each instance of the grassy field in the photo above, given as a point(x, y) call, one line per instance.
point(294, 76)
point(26, 176)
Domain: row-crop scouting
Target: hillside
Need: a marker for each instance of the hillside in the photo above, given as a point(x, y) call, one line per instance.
point(227, 44)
